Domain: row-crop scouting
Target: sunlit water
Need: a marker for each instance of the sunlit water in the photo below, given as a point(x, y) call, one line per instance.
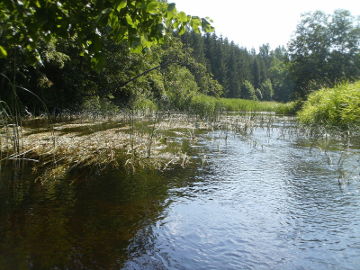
point(266, 201)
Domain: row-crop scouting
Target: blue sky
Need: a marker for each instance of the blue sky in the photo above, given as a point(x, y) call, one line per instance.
point(251, 23)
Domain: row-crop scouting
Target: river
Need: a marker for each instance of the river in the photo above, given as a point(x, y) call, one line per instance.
point(270, 200)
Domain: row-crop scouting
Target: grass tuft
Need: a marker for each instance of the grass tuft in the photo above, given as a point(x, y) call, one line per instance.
point(333, 107)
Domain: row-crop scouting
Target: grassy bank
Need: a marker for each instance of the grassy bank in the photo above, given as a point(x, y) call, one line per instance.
point(333, 107)
point(203, 105)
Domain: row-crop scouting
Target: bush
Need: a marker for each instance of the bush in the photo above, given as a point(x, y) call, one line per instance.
point(338, 106)
point(206, 106)
point(96, 105)
point(143, 104)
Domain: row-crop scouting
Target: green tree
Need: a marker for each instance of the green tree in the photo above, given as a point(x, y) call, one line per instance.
point(325, 50)
point(140, 23)
point(248, 91)
point(267, 90)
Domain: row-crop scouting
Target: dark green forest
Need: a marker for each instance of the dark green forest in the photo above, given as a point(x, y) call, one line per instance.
point(104, 55)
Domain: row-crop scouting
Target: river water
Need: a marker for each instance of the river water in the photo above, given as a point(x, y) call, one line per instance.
point(270, 200)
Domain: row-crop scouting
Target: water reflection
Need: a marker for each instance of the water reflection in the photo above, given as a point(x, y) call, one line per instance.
point(82, 223)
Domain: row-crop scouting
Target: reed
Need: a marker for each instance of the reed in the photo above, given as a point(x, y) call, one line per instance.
point(210, 106)
point(336, 108)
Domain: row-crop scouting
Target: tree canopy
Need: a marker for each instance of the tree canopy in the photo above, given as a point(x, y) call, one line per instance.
point(140, 23)
point(325, 50)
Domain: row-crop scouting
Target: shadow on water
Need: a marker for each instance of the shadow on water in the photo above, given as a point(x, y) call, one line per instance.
point(81, 222)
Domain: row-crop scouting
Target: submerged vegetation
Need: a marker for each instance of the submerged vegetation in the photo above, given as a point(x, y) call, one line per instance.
point(128, 141)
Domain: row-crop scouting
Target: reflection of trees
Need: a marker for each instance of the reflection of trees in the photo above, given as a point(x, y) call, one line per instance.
point(81, 224)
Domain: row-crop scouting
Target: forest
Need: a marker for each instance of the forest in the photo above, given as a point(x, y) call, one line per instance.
point(106, 55)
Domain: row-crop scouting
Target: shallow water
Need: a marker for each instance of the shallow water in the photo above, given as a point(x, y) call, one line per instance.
point(272, 200)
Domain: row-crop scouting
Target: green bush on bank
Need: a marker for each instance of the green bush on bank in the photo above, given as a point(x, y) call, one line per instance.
point(338, 106)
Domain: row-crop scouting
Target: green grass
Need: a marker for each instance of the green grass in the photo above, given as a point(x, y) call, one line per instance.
point(206, 105)
point(338, 107)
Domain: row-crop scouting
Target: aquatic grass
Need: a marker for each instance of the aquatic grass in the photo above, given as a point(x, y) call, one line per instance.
point(159, 141)
point(235, 104)
point(337, 107)
point(11, 118)
point(207, 106)
point(135, 144)
point(134, 140)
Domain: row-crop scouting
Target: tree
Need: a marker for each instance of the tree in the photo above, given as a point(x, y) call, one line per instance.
point(248, 91)
point(325, 50)
point(141, 23)
point(267, 90)
point(66, 51)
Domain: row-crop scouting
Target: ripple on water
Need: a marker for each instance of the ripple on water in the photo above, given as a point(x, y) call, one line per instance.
point(275, 205)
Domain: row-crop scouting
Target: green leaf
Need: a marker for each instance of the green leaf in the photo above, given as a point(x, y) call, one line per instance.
point(3, 52)
point(171, 7)
point(171, 11)
point(129, 20)
point(113, 20)
point(182, 30)
point(182, 16)
point(121, 4)
point(152, 7)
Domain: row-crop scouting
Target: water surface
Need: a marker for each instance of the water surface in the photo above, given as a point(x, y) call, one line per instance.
point(271, 200)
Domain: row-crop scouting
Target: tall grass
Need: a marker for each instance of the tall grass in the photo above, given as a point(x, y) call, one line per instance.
point(206, 105)
point(334, 107)
point(11, 119)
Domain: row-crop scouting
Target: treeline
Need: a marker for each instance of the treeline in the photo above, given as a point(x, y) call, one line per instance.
point(244, 74)
point(78, 65)
point(324, 51)
point(167, 77)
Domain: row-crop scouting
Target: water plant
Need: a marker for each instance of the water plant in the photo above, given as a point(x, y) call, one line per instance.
point(337, 107)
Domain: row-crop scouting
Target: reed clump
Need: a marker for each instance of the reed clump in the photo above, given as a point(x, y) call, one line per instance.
point(337, 107)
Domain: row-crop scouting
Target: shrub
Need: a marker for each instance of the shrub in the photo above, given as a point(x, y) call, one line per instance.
point(338, 106)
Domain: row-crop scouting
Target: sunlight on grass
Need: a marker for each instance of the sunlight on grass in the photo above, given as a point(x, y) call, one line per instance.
point(203, 105)
point(338, 106)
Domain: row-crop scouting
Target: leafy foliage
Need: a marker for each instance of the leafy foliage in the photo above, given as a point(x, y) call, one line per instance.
point(140, 23)
point(339, 106)
point(248, 91)
point(325, 50)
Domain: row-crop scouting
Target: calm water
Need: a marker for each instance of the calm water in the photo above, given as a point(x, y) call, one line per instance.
point(267, 201)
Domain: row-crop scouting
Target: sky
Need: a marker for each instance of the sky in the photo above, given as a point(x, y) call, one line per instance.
point(251, 23)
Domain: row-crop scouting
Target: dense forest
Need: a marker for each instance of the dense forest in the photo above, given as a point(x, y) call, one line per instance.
point(146, 54)
point(324, 51)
